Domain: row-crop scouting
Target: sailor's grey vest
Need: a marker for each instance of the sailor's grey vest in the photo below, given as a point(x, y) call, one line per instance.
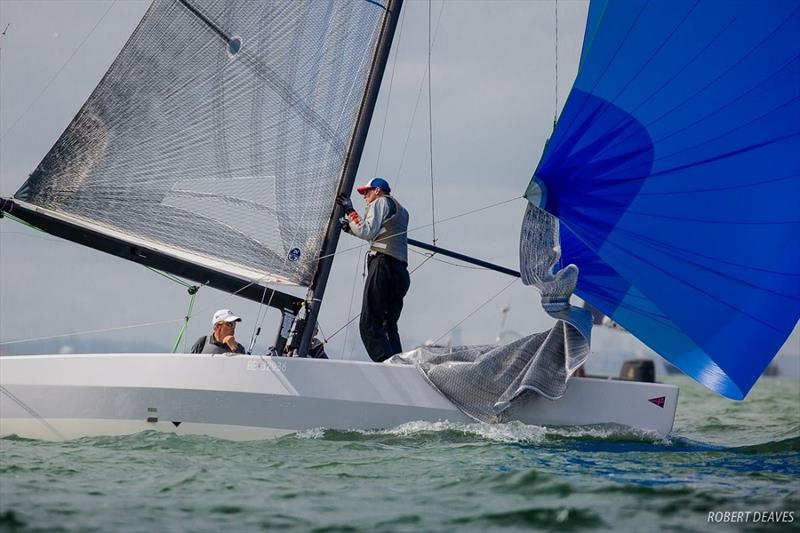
point(392, 238)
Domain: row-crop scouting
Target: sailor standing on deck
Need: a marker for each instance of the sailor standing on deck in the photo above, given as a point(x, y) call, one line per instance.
point(384, 225)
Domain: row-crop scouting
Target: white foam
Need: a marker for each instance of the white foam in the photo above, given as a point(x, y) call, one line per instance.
point(313, 433)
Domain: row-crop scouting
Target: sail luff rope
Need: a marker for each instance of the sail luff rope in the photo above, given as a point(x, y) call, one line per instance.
point(58, 72)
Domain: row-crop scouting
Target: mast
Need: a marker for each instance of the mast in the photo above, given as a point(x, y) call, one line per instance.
point(317, 289)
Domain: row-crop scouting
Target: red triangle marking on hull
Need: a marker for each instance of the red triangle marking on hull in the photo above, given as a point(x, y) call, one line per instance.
point(658, 401)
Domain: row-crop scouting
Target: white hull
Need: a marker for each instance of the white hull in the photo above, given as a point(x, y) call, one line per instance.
point(60, 397)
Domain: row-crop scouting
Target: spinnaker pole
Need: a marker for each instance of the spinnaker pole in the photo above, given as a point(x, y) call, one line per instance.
point(317, 287)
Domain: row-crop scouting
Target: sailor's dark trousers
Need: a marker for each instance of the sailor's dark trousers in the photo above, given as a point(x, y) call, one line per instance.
point(387, 283)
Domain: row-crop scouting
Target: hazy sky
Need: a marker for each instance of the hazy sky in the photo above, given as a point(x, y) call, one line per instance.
point(493, 100)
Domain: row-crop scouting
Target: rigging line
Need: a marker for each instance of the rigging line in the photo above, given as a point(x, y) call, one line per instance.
point(451, 263)
point(192, 296)
point(344, 326)
point(89, 332)
point(389, 95)
point(430, 256)
point(31, 411)
point(568, 128)
point(555, 109)
point(352, 297)
point(416, 105)
point(481, 306)
point(168, 276)
point(448, 219)
point(52, 240)
point(430, 127)
point(258, 280)
point(324, 338)
point(260, 320)
point(52, 79)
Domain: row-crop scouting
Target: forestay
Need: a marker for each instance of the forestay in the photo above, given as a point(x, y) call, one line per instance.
point(219, 133)
point(673, 170)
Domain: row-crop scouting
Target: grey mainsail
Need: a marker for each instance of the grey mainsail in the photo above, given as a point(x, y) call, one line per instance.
point(219, 133)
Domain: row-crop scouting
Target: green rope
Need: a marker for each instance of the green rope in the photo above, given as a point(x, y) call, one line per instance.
point(193, 294)
point(171, 278)
point(192, 290)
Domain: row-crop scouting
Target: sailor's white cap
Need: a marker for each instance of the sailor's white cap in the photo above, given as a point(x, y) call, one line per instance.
point(224, 315)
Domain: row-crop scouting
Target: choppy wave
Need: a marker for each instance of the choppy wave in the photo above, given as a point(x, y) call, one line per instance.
point(507, 433)
point(419, 476)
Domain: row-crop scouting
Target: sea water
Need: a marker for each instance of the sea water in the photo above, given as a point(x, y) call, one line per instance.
point(739, 458)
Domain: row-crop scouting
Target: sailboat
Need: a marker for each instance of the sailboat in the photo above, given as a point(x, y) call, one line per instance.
point(215, 145)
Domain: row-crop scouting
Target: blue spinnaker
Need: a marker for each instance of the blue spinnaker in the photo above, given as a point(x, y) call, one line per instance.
point(674, 170)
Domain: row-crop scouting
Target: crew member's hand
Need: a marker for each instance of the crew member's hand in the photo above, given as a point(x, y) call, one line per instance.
point(230, 340)
point(343, 222)
point(345, 202)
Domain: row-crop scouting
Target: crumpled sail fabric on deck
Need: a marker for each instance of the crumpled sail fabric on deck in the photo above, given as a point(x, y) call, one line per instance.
point(221, 129)
point(674, 170)
point(488, 382)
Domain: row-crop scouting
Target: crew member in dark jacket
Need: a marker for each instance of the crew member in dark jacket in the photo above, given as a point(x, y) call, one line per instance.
point(222, 339)
point(384, 226)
